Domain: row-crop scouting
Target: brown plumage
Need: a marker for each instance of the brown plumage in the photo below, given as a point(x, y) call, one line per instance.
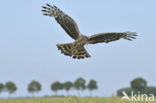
point(76, 49)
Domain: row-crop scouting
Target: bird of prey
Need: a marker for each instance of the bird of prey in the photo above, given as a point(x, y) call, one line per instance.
point(76, 49)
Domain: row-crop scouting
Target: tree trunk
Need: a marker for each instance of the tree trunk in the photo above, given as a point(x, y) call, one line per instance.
point(67, 93)
point(91, 95)
point(56, 93)
point(78, 93)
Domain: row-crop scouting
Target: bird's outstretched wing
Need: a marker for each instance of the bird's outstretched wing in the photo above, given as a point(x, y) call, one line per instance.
point(108, 37)
point(66, 22)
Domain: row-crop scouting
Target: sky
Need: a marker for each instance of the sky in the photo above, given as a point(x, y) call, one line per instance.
point(28, 44)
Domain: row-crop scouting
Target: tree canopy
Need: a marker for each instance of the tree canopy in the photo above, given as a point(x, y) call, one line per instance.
point(92, 85)
point(79, 84)
point(68, 85)
point(138, 84)
point(56, 86)
point(1, 87)
point(10, 87)
point(34, 86)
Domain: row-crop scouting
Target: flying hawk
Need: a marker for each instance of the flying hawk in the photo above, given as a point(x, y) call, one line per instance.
point(76, 49)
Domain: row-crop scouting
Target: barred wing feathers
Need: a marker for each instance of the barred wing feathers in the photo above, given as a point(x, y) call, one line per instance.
point(108, 37)
point(66, 22)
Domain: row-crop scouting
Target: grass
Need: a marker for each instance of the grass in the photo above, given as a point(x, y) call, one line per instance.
point(69, 100)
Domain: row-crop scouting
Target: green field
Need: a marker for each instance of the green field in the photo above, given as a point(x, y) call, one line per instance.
point(68, 100)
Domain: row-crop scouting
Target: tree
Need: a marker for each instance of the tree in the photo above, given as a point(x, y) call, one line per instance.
point(34, 87)
point(92, 85)
point(10, 87)
point(67, 86)
point(138, 84)
point(1, 87)
point(56, 86)
point(79, 84)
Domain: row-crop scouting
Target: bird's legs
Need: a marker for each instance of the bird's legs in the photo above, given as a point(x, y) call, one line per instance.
point(74, 48)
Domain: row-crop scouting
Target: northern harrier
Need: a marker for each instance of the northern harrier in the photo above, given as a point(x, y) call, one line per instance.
point(76, 49)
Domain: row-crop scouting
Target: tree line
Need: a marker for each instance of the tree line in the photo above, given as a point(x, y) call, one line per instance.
point(138, 85)
point(35, 87)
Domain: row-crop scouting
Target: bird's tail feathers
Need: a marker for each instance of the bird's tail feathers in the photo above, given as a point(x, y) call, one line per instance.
point(70, 49)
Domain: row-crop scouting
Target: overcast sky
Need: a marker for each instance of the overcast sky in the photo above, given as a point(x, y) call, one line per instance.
point(28, 44)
